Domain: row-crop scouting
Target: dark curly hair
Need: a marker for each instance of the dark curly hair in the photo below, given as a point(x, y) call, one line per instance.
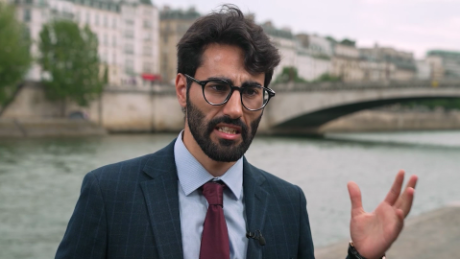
point(228, 26)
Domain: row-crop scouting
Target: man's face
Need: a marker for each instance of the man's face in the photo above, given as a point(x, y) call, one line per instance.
point(224, 133)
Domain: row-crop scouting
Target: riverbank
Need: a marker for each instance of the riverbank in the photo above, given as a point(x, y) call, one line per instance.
point(363, 121)
point(435, 234)
point(48, 128)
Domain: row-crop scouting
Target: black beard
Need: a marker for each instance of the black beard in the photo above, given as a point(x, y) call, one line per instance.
point(226, 150)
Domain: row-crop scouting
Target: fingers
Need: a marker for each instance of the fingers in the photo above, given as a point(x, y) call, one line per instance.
point(395, 190)
point(355, 197)
point(405, 201)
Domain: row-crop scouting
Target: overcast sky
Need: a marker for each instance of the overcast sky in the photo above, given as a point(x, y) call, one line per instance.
point(411, 25)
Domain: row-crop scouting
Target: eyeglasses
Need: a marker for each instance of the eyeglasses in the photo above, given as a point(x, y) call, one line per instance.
point(217, 92)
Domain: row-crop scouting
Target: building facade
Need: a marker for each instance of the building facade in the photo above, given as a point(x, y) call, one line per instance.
point(391, 64)
point(444, 64)
point(314, 55)
point(285, 42)
point(346, 61)
point(127, 32)
point(173, 25)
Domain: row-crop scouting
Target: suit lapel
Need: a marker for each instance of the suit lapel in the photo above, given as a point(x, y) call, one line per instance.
point(256, 199)
point(161, 196)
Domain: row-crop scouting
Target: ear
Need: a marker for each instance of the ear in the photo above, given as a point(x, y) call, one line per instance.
point(181, 89)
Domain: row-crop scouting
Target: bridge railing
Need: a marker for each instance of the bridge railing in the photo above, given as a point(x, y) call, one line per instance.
point(168, 89)
point(326, 86)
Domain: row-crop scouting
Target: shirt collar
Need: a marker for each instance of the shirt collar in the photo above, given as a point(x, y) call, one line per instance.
point(192, 175)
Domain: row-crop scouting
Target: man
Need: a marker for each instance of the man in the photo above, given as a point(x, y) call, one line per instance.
point(198, 197)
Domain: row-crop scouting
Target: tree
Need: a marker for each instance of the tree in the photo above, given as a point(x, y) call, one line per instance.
point(326, 77)
point(348, 42)
point(15, 58)
point(69, 56)
point(289, 74)
point(447, 104)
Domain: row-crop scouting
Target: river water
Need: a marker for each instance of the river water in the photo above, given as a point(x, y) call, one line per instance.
point(40, 179)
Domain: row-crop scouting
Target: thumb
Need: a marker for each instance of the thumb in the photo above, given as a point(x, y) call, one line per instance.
point(355, 197)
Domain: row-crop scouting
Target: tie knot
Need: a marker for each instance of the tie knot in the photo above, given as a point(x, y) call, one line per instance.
point(213, 192)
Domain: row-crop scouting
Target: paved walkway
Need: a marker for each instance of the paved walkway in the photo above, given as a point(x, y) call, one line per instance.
point(435, 234)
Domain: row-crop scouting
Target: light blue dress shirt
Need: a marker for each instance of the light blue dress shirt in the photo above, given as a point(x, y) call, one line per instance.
point(193, 206)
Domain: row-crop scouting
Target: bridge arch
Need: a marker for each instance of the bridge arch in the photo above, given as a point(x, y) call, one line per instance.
point(310, 107)
point(319, 117)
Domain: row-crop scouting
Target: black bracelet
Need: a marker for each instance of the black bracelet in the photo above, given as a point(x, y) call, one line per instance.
point(353, 253)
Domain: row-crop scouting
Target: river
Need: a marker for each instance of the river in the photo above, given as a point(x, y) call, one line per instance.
point(40, 179)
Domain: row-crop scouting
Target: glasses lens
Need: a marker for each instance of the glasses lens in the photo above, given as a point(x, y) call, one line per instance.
point(255, 97)
point(216, 92)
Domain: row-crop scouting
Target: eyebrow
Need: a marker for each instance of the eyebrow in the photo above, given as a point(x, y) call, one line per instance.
point(230, 81)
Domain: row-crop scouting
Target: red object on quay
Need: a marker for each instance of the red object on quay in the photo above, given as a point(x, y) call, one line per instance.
point(151, 77)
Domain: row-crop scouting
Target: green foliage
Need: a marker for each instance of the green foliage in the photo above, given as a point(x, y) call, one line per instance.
point(448, 104)
point(289, 74)
point(348, 42)
point(69, 56)
point(331, 39)
point(326, 77)
point(15, 58)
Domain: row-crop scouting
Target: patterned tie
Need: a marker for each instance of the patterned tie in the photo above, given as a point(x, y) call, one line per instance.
point(214, 241)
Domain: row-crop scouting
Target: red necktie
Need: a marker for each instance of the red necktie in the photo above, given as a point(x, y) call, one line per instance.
point(214, 241)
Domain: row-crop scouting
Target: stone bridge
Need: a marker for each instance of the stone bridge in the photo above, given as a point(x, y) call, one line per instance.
point(308, 106)
point(296, 107)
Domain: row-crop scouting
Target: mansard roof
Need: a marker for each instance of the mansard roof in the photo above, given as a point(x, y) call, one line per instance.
point(179, 14)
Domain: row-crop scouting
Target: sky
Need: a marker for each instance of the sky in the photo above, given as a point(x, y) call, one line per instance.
point(409, 25)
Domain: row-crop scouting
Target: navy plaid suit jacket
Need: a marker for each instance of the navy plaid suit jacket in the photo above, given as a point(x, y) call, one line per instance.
point(131, 210)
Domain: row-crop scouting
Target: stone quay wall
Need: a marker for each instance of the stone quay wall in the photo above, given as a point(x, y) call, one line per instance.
point(117, 110)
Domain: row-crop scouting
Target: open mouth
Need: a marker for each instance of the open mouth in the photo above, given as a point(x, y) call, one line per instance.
point(228, 130)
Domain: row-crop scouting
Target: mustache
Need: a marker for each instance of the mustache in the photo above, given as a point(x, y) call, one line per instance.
point(227, 120)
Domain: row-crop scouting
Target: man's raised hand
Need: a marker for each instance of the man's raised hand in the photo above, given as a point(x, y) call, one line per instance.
point(373, 233)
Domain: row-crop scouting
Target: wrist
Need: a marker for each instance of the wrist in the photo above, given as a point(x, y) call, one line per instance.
point(354, 254)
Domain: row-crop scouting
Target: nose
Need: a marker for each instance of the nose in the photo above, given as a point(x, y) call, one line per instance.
point(234, 108)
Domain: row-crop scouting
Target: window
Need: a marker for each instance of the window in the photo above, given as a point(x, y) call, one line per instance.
point(147, 36)
point(129, 66)
point(105, 21)
point(88, 18)
point(114, 58)
point(129, 34)
point(114, 23)
point(114, 41)
point(147, 51)
point(106, 42)
point(147, 67)
point(165, 62)
point(129, 22)
point(96, 20)
point(129, 49)
point(147, 24)
point(104, 57)
point(27, 15)
point(147, 12)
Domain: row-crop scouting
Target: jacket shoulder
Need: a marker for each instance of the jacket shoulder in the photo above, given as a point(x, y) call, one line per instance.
point(131, 168)
point(278, 181)
point(274, 182)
